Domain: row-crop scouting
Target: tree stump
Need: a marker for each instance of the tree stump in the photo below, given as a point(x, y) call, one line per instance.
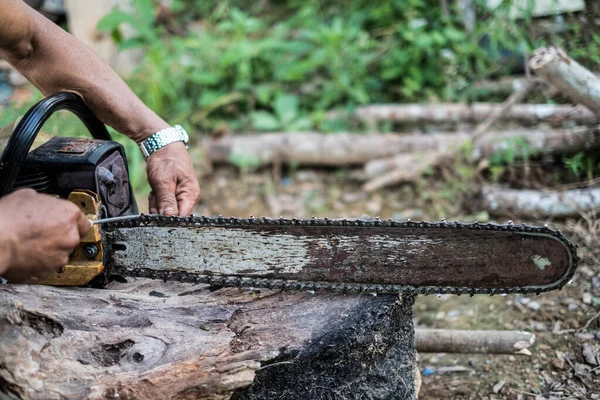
point(148, 339)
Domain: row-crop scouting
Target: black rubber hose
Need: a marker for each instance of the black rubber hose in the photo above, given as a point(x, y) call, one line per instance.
point(24, 134)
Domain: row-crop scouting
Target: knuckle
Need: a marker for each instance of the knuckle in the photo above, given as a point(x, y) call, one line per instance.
point(74, 213)
point(27, 192)
point(167, 198)
point(72, 239)
point(72, 208)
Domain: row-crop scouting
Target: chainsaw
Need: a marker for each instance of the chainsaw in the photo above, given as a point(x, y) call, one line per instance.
point(351, 256)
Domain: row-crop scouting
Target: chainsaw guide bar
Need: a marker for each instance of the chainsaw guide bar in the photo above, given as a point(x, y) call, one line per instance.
point(351, 256)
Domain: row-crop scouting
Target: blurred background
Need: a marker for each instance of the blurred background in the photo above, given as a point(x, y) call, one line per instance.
point(421, 109)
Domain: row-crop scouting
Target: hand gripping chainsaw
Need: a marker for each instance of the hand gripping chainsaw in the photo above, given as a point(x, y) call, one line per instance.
point(350, 256)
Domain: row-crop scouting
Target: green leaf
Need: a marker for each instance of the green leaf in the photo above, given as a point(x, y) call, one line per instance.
point(245, 162)
point(263, 94)
point(286, 108)
point(204, 78)
point(301, 124)
point(115, 35)
point(145, 9)
point(264, 121)
point(113, 20)
point(132, 43)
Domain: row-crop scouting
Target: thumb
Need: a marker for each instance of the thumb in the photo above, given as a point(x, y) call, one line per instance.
point(164, 193)
point(83, 224)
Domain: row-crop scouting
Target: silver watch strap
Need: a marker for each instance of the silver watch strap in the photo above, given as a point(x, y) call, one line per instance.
point(162, 138)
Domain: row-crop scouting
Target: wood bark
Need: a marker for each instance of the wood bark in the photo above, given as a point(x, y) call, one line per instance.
point(570, 77)
point(149, 339)
point(469, 341)
point(346, 149)
point(501, 201)
point(530, 114)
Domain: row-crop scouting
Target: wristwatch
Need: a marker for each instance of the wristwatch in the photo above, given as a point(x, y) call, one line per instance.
point(162, 138)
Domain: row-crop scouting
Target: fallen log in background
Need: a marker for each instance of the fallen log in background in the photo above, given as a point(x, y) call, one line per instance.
point(409, 167)
point(401, 168)
point(149, 339)
point(502, 87)
point(568, 76)
point(506, 86)
point(500, 112)
point(308, 148)
point(440, 113)
point(346, 149)
point(501, 201)
point(468, 341)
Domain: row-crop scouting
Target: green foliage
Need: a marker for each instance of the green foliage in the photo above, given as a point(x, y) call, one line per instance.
point(512, 149)
point(244, 162)
point(281, 67)
point(582, 165)
point(575, 163)
point(286, 116)
point(267, 66)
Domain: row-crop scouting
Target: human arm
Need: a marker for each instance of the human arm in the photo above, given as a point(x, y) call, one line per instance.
point(55, 61)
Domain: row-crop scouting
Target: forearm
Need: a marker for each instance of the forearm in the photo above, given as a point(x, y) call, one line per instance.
point(54, 61)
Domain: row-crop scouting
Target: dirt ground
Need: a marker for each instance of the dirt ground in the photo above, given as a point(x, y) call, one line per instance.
point(565, 357)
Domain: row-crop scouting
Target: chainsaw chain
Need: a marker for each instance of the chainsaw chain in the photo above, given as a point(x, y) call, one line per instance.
point(282, 284)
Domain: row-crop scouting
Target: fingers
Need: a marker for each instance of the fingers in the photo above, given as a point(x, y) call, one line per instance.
point(152, 206)
point(171, 175)
point(188, 194)
point(165, 198)
point(186, 204)
point(83, 224)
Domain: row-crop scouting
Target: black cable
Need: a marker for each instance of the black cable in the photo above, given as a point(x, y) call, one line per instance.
point(24, 134)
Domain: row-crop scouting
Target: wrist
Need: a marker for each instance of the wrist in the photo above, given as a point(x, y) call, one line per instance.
point(163, 138)
point(142, 130)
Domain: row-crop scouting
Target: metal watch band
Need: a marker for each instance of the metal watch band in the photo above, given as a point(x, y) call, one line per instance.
point(162, 138)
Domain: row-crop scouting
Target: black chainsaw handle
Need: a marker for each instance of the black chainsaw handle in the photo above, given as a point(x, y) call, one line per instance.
point(24, 134)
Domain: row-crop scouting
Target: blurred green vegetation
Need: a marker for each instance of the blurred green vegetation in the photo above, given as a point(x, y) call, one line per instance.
point(266, 65)
point(235, 65)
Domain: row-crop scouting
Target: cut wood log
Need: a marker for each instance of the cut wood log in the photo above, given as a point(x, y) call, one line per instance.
point(168, 340)
point(571, 78)
point(530, 114)
point(468, 341)
point(506, 86)
point(501, 201)
point(346, 149)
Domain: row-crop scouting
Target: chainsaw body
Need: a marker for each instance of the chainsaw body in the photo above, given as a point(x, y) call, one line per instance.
point(91, 173)
point(62, 165)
